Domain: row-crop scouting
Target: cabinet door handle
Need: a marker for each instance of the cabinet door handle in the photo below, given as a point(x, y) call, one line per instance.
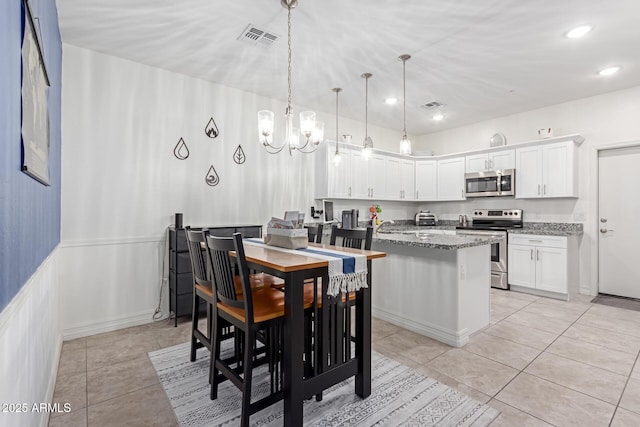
point(544, 189)
point(486, 164)
point(537, 255)
point(417, 194)
point(349, 191)
point(491, 164)
point(538, 189)
point(462, 193)
point(531, 254)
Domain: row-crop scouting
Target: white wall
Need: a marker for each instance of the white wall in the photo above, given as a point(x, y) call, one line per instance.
point(604, 120)
point(121, 183)
point(30, 343)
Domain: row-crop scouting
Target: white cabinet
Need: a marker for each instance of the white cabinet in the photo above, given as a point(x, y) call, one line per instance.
point(368, 177)
point(332, 180)
point(539, 262)
point(426, 180)
point(547, 171)
point(400, 177)
point(496, 160)
point(451, 178)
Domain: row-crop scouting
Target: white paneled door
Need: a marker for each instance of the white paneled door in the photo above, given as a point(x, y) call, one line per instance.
point(618, 231)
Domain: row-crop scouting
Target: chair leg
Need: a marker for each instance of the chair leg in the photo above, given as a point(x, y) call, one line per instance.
point(194, 325)
point(246, 383)
point(215, 355)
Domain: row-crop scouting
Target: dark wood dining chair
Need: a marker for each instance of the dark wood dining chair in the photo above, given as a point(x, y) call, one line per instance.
point(315, 233)
point(336, 311)
point(252, 312)
point(202, 290)
point(352, 238)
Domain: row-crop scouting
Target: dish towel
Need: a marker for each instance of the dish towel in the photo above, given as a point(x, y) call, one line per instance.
point(346, 272)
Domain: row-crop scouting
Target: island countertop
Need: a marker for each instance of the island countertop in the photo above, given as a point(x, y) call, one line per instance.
point(434, 238)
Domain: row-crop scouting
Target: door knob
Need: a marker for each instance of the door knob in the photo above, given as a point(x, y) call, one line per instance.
point(604, 230)
point(603, 220)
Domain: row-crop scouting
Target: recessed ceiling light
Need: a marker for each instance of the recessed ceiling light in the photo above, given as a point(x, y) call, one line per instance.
point(608, 71)
point(438, 116)
point(391, 101)
point(578, 32)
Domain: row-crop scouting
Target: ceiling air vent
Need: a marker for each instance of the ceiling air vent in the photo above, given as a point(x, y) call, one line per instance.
point(256, 36)
point(431, 105)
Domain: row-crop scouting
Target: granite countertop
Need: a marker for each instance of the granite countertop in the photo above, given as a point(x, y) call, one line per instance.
point(432, 239)
point(550, 229)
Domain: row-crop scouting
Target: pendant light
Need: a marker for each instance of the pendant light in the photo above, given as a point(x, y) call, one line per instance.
point(311, 130)
point(337, 158)
point(367, 144)
point(405, 143)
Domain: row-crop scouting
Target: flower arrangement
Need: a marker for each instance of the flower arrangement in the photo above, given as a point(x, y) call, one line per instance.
point(374, 211)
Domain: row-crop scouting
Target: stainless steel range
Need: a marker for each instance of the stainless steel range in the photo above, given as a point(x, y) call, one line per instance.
point(496, 223)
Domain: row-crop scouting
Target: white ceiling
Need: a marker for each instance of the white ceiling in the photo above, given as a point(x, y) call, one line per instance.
point(482, 59)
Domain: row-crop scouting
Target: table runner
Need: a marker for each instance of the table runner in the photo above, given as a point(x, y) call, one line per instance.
point(347, 272)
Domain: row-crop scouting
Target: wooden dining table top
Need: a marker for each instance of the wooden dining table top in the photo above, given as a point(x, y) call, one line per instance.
point(285, 261)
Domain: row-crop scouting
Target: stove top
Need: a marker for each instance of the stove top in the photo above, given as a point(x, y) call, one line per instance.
point(494, 219)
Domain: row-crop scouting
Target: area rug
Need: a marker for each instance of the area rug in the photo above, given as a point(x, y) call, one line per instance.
point(616, 301)
point(400, 396)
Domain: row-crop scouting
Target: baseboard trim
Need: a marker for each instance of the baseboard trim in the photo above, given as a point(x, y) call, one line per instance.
point(87, 329)
point(541, 293)
point(448, 336)
point(44, 421)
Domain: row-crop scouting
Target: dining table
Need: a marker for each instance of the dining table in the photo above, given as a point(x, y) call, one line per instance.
point(296, 268)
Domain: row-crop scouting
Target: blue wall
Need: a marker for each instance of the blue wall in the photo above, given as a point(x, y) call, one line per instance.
point(29, 211)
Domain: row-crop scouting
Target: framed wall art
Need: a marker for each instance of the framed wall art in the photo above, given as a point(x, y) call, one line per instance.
point(35, 112)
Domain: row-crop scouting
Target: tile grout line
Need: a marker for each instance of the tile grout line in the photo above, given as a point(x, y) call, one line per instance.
point(635, 362)
point(533, 360)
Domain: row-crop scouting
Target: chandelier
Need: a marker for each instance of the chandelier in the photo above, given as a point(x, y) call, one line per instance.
point(367, 144)
point(311, 130)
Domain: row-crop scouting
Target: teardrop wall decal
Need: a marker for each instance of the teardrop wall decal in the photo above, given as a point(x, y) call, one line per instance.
point(239, 156)
point(181, 151)
point(211, 129)
point(212, 177)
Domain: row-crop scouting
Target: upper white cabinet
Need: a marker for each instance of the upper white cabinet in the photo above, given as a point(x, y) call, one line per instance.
point(368, 176)
point(451, 178)
point(333, 180)
point(426, 180)
point(400, 178)
point(408, 174)
point(496, 160)
point(547, 171)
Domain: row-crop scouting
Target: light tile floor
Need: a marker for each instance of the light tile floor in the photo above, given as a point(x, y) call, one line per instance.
point(541, 362)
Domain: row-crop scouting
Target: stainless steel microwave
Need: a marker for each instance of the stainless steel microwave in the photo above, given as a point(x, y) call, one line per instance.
point(490, 183)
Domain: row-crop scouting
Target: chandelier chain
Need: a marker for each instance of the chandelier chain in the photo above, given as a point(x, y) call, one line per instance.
point(404, 96)
point(366, 107)
point(289, 64)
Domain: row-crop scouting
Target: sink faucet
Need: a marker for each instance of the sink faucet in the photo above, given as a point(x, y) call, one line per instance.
point(390, 221)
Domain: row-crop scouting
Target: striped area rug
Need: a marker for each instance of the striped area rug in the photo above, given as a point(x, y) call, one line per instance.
point(400, 397)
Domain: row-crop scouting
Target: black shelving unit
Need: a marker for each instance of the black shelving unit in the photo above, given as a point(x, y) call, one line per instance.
point(180, 277)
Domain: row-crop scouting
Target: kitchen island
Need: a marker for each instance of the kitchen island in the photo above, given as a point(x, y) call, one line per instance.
point(433, 282)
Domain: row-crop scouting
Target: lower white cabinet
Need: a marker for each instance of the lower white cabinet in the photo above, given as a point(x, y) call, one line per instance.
point(539, 262)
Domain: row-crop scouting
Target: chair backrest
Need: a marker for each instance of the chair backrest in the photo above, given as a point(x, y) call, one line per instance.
point(222, 270)
point(315, 233)
point(195, 239)
point(352, 238)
